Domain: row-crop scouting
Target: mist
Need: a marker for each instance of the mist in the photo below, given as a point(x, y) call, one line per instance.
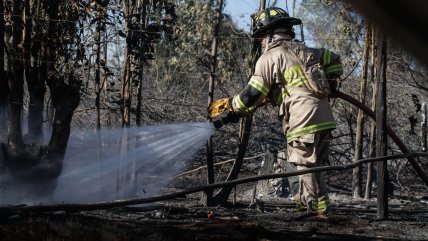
point(115, 164)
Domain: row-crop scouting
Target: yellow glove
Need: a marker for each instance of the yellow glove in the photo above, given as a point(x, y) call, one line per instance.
point(219, 106)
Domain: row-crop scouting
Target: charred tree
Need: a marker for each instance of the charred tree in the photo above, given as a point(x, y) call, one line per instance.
point(26, 158)
point(16, 79)
point(126, 78)
point(381, 135)
point(356, 178)
point(263, 187)
point(98, 68)
point(140, 35)
point(142, 26)
point(3, 78)
point(213, 65)
point(35, 71)
point(372, 143)
point(246, 123)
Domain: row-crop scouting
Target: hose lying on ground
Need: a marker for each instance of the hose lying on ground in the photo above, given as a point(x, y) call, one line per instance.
point(168, 196)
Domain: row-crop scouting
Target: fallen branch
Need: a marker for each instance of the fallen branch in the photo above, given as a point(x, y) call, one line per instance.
point(118, 203)
point(215, 164)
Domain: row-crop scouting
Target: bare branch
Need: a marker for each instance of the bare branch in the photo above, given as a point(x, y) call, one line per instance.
point(168, 196)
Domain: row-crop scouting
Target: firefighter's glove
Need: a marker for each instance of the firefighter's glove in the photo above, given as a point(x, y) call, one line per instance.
point(231, 117)
point(219, 106)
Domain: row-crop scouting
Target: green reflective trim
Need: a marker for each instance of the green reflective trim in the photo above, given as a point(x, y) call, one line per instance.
point(259, 86)
point(333, 68)
point(311, 129)
point(240, 105)
point(291, 73)
point(298, 82)
point(284, 93)
point(323, 204)
point(326, 57)
point(288, 75)
point(281, 96)
point(299, 70)
point(294, 76)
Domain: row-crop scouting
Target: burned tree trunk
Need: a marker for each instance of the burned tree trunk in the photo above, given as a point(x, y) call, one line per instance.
point(3, 79)
point(35, 73)
point(32, 162)
point(36, 89)
point(4, 89)
point(245, 131)
point(65, 99)
point(381, 135)
point(126, 79)
point(224, 193)
point(356, 177)
point(98, 72)
point(213, 66)
point(372, 144)
point(143, 24)
point(263, 187)
point(16, 80)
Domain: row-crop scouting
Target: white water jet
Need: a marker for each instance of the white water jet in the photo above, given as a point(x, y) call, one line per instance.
point(117, 164)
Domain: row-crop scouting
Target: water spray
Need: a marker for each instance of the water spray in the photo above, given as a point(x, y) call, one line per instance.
point(116, 164)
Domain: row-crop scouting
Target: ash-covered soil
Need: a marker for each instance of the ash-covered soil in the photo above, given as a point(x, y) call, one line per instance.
point(187, 219)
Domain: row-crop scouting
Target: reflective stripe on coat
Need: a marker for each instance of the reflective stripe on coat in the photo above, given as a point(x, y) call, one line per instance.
point(280, 81)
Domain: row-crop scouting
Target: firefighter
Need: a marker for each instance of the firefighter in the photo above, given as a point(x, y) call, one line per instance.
point(280, 79)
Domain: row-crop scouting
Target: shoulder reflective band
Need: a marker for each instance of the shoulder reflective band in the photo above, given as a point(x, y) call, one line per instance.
point(311, 129)
point(334, 68)
point(258, 85)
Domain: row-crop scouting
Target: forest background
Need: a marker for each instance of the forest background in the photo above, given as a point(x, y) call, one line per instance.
point(102, 64)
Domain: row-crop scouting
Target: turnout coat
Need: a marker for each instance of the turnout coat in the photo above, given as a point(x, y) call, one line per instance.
point(279, 79)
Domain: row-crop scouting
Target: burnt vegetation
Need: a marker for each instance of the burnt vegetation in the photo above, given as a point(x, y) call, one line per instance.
point(100, 64)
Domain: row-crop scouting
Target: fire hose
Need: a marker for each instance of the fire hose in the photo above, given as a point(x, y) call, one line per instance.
point(390, 132)
point(117, 203)
point(222, 105)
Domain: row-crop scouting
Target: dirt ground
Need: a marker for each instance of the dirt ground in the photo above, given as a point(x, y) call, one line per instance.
point(186, 219)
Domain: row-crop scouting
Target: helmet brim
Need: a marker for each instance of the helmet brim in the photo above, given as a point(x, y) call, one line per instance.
point(288, 21)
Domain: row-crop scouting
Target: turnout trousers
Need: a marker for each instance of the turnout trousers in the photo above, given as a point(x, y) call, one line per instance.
point(307, 152)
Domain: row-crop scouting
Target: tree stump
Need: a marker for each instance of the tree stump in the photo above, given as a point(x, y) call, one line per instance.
point(274, 162)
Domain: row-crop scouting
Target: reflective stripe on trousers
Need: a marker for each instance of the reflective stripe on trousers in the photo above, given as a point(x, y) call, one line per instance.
point(311, 129)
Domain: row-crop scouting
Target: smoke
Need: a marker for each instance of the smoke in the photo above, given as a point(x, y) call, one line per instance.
point(116, 164)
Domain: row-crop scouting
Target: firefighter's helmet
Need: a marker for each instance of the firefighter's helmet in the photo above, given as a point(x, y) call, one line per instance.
point(270, 18)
